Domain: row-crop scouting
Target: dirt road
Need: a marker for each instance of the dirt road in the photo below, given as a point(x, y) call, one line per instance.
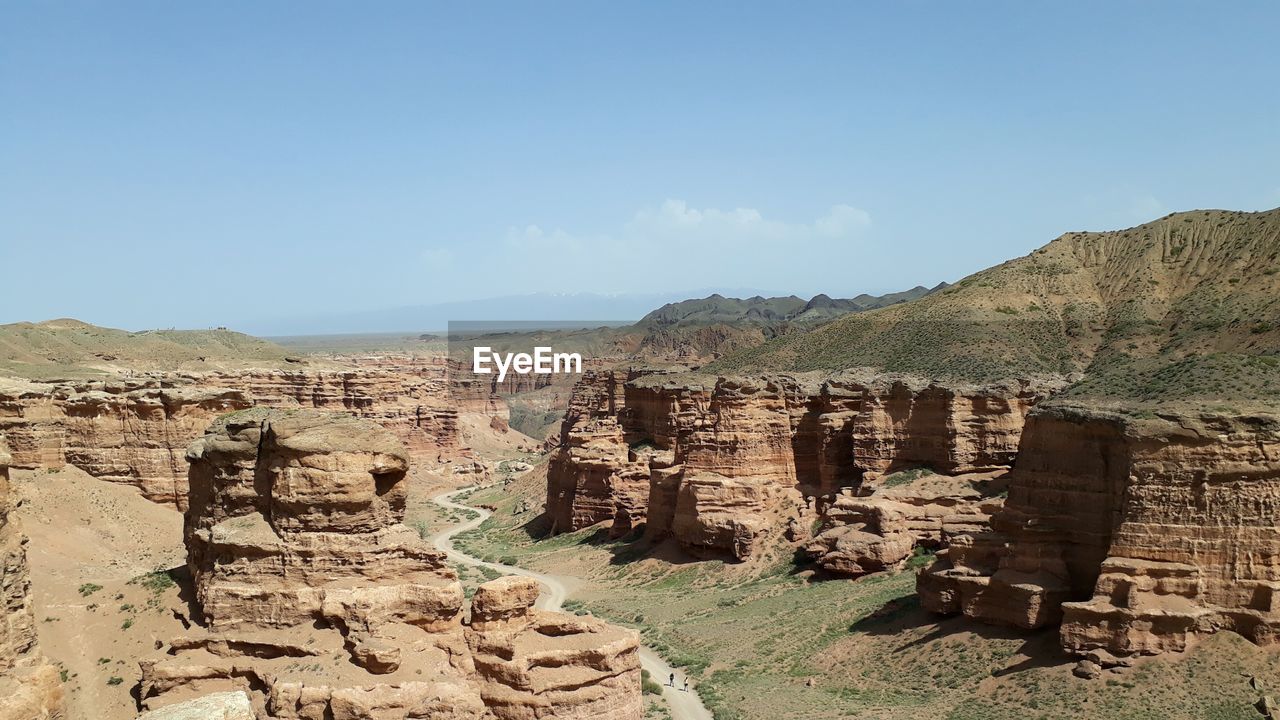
point(556, 589)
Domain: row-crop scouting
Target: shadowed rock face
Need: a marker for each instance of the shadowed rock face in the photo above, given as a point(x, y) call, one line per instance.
point(719, 463)
point(29, 686)
point(1136, 535)
point(318, 602)
point(863, 534)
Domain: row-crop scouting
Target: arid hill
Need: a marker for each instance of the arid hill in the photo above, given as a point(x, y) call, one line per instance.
point(61, 348)
point(1183, 308)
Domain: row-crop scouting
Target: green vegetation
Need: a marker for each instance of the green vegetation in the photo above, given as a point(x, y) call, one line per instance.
point(88, 589)
point(768, 641)
point(424, 529)
point(905, 477)
point(157, 581)
point(647, 684)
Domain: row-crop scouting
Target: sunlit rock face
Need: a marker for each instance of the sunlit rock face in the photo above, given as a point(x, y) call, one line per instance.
point(316, 601)
point(30, 688)
point(1137, 535)
point(732, 460)
point(135, 430)
point(297, 516)
point(534, 664)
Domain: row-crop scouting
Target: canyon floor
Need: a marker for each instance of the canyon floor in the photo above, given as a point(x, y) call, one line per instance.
point(770, 638)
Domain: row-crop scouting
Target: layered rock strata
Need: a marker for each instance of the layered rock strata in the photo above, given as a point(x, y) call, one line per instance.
point(30, 688)
point(135, 430)
point(534, 664)
point(879, 531)
point(318, 602)
point(730, 460)
point(1137, 535)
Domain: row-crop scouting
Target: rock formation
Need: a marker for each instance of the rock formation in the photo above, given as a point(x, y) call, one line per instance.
point(719, 463)
point(1136, 534)
point(865, 534)
point(135, 430)
point(293, 514)
point(318, 602)
point(30, 688)
point(218, 706)
point(534, 664)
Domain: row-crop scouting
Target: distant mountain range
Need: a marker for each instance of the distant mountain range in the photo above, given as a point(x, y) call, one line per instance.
point(767, 311)
point(587, 308)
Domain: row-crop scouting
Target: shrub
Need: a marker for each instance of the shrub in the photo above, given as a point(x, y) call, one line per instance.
point(647, 684)
point(157, 581)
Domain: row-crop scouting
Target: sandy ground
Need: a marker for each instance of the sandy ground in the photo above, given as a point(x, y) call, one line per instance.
point(93, 547)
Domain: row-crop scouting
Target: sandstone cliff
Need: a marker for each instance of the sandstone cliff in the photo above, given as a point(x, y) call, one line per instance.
point(1137, 533)
point(135, 430)
point(879, 530)
point(318, 602)
point(30, 688)
point(719, 463)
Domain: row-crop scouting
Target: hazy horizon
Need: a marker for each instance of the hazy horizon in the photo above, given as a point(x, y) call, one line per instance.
point(249, 166)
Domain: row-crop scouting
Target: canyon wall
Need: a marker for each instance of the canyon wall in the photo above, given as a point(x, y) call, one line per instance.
point(30, 688)
point(720, 463)
point(1137, 534)
point(134, 430)
point(316, 601)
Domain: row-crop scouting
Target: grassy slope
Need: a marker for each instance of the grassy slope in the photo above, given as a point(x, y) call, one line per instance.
point(752, 638)
point(1183, 308)
point(71, 347)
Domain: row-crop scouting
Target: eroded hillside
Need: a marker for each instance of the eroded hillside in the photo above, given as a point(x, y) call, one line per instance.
point(1183, 308)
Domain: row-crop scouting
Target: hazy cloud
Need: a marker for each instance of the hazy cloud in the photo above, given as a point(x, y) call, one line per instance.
point(1146, 208)
point(676, 246)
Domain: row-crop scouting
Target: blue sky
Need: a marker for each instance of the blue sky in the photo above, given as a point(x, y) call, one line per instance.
point(183, 164)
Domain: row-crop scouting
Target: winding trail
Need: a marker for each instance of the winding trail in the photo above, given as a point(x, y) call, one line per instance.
point(556, 589)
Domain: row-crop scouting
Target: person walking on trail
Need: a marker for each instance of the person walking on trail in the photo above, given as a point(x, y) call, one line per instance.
point(686, 684)
point(672, 682)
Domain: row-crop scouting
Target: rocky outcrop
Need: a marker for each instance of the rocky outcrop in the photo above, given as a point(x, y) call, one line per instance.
point(914, 509)
point(1138, 535)
point(409, 395)
point(536, 664)
point(30, 688)
point(731, 460)
point(135, 430)
point(297, 517)
point(318, 602)
point(218, 706)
